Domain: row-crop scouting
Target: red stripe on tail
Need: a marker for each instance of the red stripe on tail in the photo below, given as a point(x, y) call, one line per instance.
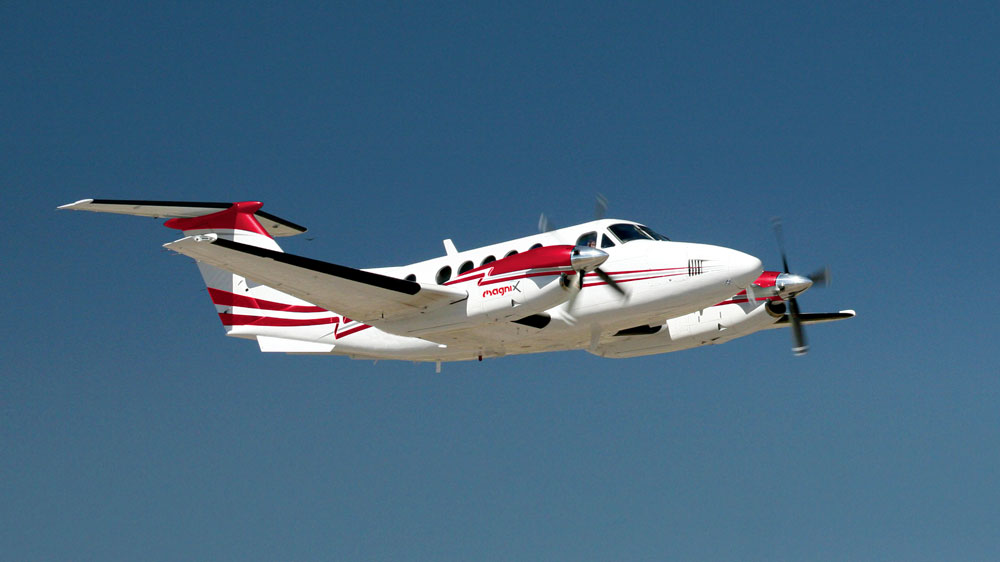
point(245, 320)
point(238, 217)
point(226, 298)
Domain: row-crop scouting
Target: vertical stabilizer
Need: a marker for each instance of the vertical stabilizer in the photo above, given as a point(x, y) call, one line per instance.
point(246, 309)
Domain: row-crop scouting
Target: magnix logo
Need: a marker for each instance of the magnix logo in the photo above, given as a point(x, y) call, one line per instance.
point(500, 291)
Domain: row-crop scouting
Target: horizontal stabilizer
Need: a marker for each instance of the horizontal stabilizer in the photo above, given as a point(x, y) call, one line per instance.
point(275, 226)
point(362, 295)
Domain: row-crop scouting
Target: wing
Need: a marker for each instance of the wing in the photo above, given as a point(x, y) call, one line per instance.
point(361, 295)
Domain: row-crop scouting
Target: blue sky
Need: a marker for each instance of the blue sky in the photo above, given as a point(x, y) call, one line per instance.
point(132, 429)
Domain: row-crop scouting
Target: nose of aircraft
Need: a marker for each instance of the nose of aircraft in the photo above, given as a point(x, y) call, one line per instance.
point(743, 268)
point(739, 268)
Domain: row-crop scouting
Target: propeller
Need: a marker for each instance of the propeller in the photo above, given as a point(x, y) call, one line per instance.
point(543, 223)
point(586, 259)
point(790, 285)
point(600, 211)
point(600, 207)
point(821, 277)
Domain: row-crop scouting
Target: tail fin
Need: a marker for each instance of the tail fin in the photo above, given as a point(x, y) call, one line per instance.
point(233, 293)
point(246, 309)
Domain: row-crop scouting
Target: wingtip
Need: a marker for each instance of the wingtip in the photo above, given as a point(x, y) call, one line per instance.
point(75, 204)
point(850, 312)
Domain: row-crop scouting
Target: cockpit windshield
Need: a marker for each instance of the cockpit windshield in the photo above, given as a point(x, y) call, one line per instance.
point(627, 232)
point(654, 234)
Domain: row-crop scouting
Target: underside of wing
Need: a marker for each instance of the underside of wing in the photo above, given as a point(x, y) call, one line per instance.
point(361, 295)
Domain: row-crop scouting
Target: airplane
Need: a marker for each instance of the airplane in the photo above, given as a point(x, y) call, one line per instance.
point(615, 288)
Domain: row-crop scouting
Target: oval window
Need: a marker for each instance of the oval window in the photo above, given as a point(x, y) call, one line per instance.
point(466, 266)
point(488, 259)
point(443, 275)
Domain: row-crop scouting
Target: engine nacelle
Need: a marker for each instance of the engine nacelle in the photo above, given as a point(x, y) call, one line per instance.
point(520, 298)
point(713, 325)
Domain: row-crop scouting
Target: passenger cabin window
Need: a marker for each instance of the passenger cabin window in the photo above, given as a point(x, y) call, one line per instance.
point(466, 266)
point(606, 241)
point(588, 239)
point(411, 277)
point(510, 253)
point(628, 232)
point(443, 275)
point(533, 246)
point(487, 259)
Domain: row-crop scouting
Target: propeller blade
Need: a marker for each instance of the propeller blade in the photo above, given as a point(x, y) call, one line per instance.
point(575, 286)
point(776, 223)
point(799, 345)
point(601, 208)
point(821, 277)
point(543, 223)
point(611, 282)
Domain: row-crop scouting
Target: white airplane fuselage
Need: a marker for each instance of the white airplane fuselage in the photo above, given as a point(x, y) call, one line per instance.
point(613, 287)
point(662, 280)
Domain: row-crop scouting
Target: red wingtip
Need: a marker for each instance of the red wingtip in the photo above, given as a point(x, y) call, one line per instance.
point(238, 217)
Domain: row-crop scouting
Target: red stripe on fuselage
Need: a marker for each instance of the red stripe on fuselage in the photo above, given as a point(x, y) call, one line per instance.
point(620, 281)
point(247, 320)
point(484, 278)
point(745, 299)
point(226, 298)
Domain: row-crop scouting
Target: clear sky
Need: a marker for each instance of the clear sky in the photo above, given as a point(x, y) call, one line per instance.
point(132, 429)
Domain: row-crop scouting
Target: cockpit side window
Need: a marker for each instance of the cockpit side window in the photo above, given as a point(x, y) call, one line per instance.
point(588, 239)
